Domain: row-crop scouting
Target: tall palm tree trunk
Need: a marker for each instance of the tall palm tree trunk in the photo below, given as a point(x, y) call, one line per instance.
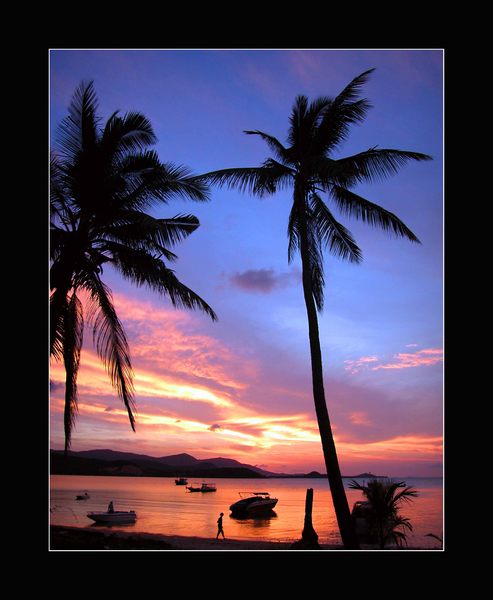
point(341, 507)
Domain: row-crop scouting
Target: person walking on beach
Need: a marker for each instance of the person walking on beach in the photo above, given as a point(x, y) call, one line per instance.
point(220, 526)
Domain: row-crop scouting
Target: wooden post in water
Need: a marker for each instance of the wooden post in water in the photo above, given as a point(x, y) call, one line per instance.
point(309, 537)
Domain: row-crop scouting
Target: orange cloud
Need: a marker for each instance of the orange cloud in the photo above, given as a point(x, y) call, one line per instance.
point(359, 418)
point(411, 448)
point(194, 393)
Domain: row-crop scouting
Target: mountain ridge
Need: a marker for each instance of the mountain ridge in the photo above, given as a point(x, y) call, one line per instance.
point(103, 461)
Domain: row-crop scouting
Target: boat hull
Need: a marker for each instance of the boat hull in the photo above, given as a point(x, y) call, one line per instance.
point(115, 517)
point(253, 509)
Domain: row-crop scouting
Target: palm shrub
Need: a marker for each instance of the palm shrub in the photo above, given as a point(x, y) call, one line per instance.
point(381, 510)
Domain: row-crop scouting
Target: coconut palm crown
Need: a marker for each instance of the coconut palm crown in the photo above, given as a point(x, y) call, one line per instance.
point(305, 166)
point(384, 499)
point(102, 182)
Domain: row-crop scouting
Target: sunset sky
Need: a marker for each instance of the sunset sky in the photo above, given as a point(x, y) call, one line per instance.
point(241, 387)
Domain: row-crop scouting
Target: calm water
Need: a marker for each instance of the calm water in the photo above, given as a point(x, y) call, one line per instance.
point(166, 508)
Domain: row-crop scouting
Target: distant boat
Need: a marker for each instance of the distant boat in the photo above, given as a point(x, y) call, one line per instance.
point(253, 504)
point(205, 487)
point(118, 516)
point(181, 481)
point(84, 496)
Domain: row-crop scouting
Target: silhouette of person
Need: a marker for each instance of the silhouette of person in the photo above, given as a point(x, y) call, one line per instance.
point(220, 526)
point(110, 507)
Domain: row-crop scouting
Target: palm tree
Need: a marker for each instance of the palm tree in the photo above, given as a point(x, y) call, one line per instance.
point(305, 166)
point(383, 501)
point(102, 181)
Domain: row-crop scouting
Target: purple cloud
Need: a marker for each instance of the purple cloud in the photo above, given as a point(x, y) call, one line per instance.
point(264, 281)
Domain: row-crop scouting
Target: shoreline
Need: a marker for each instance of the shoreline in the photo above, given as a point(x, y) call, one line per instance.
point(64, 537)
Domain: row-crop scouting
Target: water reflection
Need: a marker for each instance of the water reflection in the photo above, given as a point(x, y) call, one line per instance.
point(111, 525)
point(259, 522)
point(166, 508)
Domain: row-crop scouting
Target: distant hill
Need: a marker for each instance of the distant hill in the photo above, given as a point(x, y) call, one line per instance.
point(130, 464)
point(74, 464)
point(111, 462)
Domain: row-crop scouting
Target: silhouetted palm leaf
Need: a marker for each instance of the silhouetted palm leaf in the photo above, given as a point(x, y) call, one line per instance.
point(111, 343)
point(73, 330)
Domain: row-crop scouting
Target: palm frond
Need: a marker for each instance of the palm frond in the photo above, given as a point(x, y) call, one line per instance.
point(58, 308)
point(343, 111)
point(335, 126)
point(351, 91)
point(302, 225)
point(179, 180)
point(258, 181)
point(131, 133)
point(136, 228)
point(78, 131)
point(332, 234)
point(304, 121)
point(294, 231)
point(73, 329)
point(274, 144)
point(144, 269)
point(316, 263)
point(373, 165)
point(111, 343)
point(405, 495)
point(358, 207)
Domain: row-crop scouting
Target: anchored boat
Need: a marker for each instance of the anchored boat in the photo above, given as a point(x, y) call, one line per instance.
point(253, 504)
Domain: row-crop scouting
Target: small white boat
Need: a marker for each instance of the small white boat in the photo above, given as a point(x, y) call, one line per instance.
point(84, 496)
point(253, 504)
point(118, 516)
point(205, 487)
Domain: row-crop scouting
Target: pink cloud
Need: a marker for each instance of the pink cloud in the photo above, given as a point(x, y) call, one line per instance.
point(200, 394)
point(354, 366)
point(422, 358)
point(403, 360)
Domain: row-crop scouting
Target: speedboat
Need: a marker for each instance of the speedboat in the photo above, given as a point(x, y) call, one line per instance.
point(181, 481)
point(205, 487)
point(253, 504)
point(118, 516)
point(84, 496)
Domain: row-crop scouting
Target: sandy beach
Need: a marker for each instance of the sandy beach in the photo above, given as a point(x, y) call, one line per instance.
point(85, 538)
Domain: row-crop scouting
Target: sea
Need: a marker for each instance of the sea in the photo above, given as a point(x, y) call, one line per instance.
point(165, 508)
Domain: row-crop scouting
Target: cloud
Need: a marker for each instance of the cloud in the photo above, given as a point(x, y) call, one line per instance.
point(402, 360)
point(264, 281)
point(359, 418)
point(189, 383)
point(354, 366)
point(422, 358)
